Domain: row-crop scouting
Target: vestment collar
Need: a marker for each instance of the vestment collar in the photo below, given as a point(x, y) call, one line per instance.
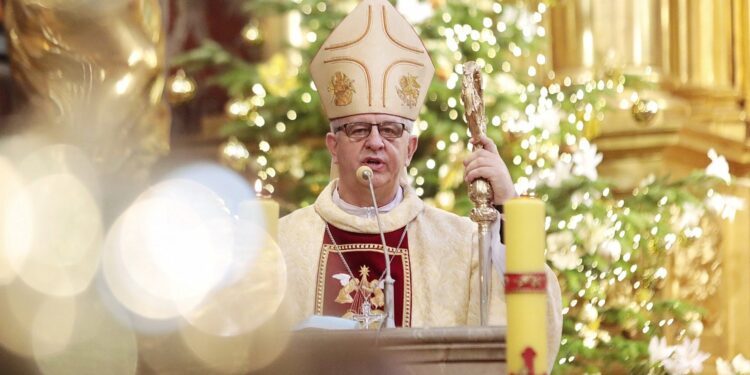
point(398, 217)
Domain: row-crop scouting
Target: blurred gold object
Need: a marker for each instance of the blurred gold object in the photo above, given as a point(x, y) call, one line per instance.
point(696, 268)
point(239, 109)
point(94, 71)
point(234, 154)
point(644, 111)
point(279, 75)
point(251, 34)
point(180, 88)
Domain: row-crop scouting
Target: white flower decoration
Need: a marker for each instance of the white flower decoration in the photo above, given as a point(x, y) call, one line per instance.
point(686, 358)
point(546, 119)
point(724, 368)
point(555, 177)
point(725, 205)
point(560, 250)
point(739, 366)
point(507, 83)
point(585, 160)
point(658, 350)
point(688, 216)
point(611, 249)
point(594, 234)
point(682, 359)
point(719, 167)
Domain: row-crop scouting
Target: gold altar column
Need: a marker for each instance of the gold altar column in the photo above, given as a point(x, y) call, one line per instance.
point(609, 38)
point(710, 68)
point(702, 65)
point(594, 35)
point(741, 21)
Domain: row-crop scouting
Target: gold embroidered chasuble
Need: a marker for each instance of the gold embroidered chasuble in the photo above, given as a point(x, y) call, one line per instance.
point(442, 259)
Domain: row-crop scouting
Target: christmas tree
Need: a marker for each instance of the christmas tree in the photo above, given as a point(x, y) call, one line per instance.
point(612, 250)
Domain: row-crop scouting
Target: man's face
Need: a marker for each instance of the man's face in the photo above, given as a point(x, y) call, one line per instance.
point(386, 157)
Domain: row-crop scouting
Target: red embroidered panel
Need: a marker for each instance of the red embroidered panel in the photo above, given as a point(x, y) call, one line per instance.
point(338, 294)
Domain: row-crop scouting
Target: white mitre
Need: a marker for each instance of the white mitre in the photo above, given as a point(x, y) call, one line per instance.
point(373, 62)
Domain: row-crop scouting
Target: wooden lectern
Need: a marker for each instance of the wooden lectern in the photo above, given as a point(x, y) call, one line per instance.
point(412, 351)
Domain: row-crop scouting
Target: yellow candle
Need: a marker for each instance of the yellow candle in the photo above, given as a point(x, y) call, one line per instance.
point(526, 296)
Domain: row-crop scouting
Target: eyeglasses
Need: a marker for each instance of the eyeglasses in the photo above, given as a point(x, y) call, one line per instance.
point(357, 131)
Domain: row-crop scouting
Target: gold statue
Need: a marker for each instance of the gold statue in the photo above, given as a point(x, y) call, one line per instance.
point(94, 72)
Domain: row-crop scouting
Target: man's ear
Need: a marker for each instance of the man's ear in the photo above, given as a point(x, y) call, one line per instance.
point(331, 143)
point(411, 148)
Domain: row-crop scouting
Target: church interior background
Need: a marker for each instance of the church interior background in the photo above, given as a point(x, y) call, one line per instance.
point(629, 118)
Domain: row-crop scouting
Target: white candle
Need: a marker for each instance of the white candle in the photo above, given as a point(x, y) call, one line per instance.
point(262, 211)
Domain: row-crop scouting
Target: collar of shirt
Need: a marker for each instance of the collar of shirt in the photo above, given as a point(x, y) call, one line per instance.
point(367, 212)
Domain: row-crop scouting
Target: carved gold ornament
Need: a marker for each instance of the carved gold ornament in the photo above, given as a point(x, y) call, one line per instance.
point(369, 289)
point(342, 89)
point(408, 90)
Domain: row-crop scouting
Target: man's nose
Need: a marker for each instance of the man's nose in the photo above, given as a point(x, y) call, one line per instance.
point(374, 141)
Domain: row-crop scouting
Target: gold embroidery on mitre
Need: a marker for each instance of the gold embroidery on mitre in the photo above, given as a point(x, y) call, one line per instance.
point(408, 90)
point(342, 89)
point(393, 39)
point(357, 40)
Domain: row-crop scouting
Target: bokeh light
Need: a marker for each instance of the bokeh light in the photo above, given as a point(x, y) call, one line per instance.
point(54, 248)
point(51, 221)
point(169, 249)
point(254, 290)
point(11, 194)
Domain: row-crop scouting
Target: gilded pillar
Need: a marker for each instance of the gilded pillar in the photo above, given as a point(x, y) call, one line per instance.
point(741, 23)
point(597, 38)
point(710, 66)
point(703, 64)
point(589, 36)
point(702, 37)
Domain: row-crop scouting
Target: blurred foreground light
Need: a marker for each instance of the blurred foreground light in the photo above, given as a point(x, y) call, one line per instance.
point(231, 187)
point(54, 248)
point(19, 307)
point(169, 249)
point(11, 195)
point(253, 290)
point(212, 354)
point(68, 335)
point(96, 343)
point(240, 354)
point(50, 219)
point(62, 159)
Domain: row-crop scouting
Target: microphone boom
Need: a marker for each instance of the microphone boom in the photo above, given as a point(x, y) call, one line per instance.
point(364, 174)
